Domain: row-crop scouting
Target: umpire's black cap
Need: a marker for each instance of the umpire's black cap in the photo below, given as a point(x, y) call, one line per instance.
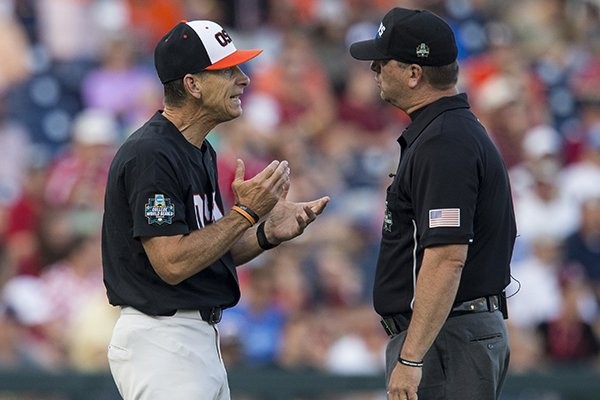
point(410, 36)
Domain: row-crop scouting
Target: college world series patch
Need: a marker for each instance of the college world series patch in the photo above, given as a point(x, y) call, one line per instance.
point(159, 210)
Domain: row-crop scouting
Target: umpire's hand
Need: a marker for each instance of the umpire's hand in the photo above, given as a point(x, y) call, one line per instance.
point(404, 383)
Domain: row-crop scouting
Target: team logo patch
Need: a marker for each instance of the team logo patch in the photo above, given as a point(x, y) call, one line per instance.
point(444, 217)
point(159, 210)
point(422, 50)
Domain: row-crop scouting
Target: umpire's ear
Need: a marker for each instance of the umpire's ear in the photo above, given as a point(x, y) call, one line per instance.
point(192, 85)
point(416, 75)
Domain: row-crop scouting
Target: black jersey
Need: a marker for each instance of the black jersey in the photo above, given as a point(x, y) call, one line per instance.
point(160, 184)
point(451, 187)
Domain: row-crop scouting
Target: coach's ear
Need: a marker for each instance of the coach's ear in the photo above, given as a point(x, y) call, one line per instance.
point(192, 85)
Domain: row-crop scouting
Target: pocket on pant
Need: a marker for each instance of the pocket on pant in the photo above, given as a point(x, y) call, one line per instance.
point(489, 340)
point(488, 353)
point(118, 353)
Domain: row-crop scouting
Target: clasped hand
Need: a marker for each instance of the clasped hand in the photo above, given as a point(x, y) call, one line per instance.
point(266, 194)
point(261, 192)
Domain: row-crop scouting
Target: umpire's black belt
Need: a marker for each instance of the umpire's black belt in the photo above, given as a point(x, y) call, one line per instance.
point(394, 324)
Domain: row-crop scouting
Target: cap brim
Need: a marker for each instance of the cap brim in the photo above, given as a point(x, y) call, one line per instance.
point(239, 57)
point(367, 50)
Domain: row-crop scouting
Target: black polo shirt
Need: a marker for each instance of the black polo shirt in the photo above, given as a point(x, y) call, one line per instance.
point(160, 184)
point(451, 187)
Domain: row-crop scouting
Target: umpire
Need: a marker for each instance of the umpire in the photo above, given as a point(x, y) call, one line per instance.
point(449, 226)
point(169, 247)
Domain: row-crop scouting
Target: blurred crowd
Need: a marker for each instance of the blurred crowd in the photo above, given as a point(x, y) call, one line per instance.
point(77, 77)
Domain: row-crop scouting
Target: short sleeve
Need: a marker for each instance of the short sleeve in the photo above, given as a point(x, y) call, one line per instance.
point(445, 188)
point(155, 196)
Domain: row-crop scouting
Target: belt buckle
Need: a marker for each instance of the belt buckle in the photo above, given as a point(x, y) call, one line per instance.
point(216, 313)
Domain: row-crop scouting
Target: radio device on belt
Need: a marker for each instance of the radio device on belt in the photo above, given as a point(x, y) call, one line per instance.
point(503, 305)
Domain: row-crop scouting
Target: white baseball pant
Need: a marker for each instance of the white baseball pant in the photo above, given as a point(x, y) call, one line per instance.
point(165, 358)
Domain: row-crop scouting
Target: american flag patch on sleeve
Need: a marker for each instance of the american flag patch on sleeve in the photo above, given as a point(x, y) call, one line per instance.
point(444, 217)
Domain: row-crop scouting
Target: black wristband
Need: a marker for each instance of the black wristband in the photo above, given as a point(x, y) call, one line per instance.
point(263, 242)
point(249, 211)
point(416, 364)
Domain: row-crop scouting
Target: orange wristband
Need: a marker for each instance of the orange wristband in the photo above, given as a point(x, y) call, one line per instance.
point(244, 213)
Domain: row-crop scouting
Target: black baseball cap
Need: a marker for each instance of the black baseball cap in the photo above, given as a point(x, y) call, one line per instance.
point(410, 36)
point(195, 46)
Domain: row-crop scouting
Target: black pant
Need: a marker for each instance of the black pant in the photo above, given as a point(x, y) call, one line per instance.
point(467, 361)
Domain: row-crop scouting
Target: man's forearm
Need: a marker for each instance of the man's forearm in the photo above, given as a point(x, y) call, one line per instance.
point(435, 292)
point(246, 248)
point(176, 258)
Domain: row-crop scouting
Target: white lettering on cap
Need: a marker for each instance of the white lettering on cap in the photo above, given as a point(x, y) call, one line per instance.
point(216, 41)
point(380, 30)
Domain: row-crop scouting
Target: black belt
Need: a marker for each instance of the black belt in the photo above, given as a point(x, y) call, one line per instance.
point(394, 324)
point(482, 304)
point(211, 315)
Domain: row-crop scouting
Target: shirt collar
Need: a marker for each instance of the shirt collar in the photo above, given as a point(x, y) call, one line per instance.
point(428, 113)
